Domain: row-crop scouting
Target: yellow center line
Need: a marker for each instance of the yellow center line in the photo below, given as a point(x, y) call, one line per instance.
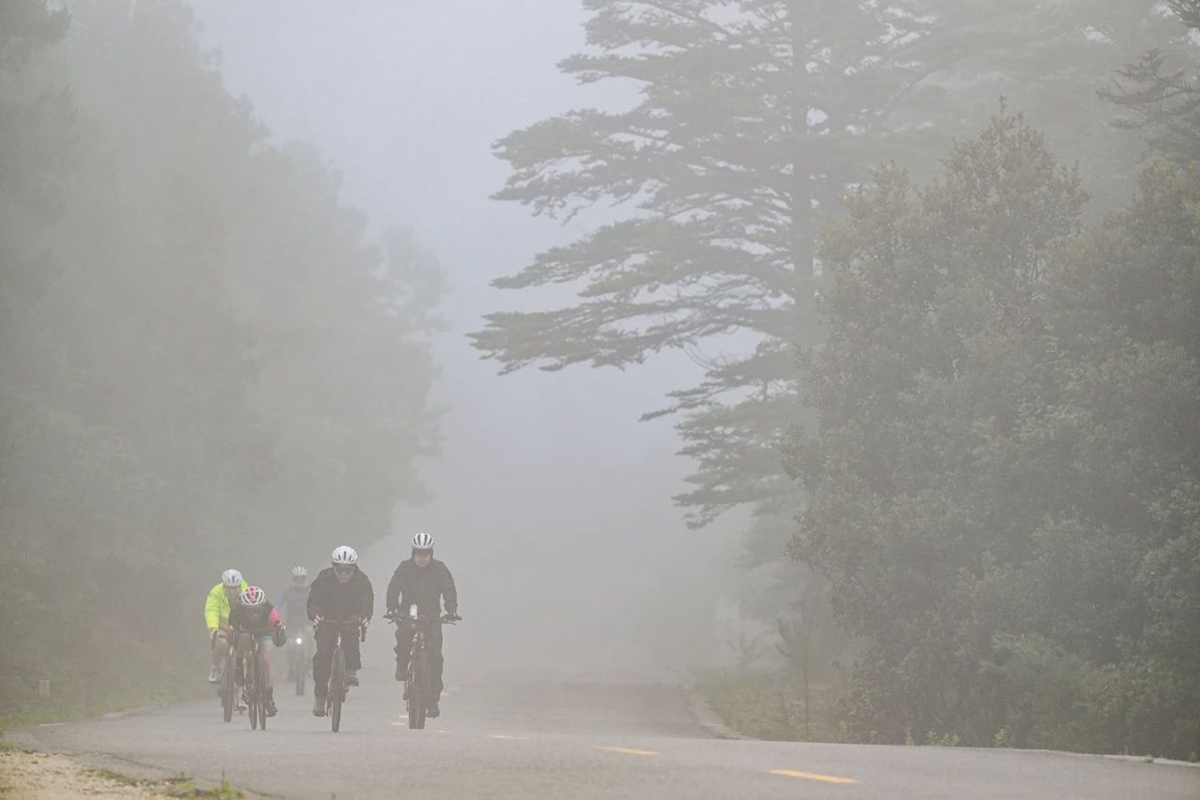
point(629, 751)
point(511, 738)
point(812, 776)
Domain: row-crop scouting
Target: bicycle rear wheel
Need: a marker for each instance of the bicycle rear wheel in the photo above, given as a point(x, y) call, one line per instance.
point(228, 690)
point(337, 689)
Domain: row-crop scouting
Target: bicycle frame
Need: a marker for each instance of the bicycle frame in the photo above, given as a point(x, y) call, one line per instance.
point(418, 691)
point(252, 662)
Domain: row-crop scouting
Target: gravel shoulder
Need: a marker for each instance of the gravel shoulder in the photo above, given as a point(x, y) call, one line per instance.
point(29, 775)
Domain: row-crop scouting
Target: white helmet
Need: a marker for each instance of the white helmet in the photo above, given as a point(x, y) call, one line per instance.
point(422, 541)
point(231, 577)
point(299, 572)
point(254, 597)
point(345, 555)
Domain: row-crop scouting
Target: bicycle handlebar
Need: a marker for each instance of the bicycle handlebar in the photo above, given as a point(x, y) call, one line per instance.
point(254, 631)
point(399, 617)
point(345, 623)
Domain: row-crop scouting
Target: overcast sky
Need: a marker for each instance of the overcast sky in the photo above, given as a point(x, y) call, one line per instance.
point(550, 496)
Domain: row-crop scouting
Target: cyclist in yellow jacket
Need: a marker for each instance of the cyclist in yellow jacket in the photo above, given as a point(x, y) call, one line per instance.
point(216, 615)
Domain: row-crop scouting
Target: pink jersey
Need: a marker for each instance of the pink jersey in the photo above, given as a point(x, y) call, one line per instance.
point(239, 617)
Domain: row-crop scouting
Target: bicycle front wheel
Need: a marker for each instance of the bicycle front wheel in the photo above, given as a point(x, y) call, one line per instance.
point(228, 690)
point(300, 667)
point(418, 690)
point(337, 689)
point(260, 691)
point(253, 701)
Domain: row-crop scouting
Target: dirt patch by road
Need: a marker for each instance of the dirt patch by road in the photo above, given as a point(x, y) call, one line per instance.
point(35, 776)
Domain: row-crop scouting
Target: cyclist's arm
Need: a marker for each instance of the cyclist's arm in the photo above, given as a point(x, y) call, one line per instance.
point(450, 593)
point(368, 599)
point(315, 602)
point(212, 607)
point(393, 591)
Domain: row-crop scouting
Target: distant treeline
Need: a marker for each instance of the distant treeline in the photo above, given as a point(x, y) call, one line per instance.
point(206, 361)
point(986, 388)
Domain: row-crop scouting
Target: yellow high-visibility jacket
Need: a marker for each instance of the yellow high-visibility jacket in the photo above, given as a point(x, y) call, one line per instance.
point(216, 607)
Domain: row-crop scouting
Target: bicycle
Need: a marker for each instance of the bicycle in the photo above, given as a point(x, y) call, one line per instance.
point(227, 687)
point(299, 659)
point(254, 683)
point(335, 691)
point(419, 692)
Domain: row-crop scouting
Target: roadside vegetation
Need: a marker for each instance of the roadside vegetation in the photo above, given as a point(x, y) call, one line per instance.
point(970, 411)
point(208, 361)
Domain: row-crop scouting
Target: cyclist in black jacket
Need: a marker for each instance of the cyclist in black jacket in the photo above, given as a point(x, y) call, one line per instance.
point(340, 593)
point(423, 581)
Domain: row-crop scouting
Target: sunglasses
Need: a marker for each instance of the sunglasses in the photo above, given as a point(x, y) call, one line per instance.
point(343, 570)
point(422, 552)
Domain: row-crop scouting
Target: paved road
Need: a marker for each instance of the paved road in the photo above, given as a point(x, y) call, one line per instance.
point(556, 736)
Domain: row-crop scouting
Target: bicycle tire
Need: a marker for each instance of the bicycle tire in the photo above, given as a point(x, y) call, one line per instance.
point(260, 688)
point(228, 690)
point(337, 689)
point(251, 690)
point(301, 671)
point(418, 691)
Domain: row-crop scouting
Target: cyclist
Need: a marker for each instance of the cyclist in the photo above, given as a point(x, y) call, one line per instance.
point(216, 616)
point(293, 600)
point(341, 592)
point(255, 616)
point(424, 581)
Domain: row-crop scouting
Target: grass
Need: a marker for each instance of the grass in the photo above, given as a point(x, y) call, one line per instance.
point(66, 709)
point(765, 705)
point(180, 786)
point(223, 791)
point(115, 777)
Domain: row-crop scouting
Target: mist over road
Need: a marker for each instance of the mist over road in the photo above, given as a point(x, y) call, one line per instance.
point(579, 735)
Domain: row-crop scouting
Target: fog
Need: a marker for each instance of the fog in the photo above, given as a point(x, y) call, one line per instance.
point(551, 502)
point(838, 360)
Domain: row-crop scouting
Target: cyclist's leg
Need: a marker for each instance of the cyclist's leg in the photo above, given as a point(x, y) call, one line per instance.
point(242, 648)
point(326, 639)
point(436, 661)
point(266, 649)
point(350, 645)
point(220, 647)
point(403, 649)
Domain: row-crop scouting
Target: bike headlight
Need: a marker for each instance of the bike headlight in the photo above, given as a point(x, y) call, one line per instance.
point(299, 641)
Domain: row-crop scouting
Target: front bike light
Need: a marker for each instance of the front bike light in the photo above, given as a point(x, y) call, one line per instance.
point(299, 641)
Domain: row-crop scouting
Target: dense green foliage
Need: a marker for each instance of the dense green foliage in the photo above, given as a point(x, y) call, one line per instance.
point(207, 363)
point(999, 437)
point(1005, 473)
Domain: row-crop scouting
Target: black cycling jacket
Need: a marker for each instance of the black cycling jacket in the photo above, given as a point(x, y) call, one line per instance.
point(425, 586)
point(331, 599)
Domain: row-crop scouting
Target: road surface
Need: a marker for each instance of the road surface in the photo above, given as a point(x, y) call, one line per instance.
point(563, 736)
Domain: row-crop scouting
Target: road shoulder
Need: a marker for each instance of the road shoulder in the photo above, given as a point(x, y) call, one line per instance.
point(30, 774)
